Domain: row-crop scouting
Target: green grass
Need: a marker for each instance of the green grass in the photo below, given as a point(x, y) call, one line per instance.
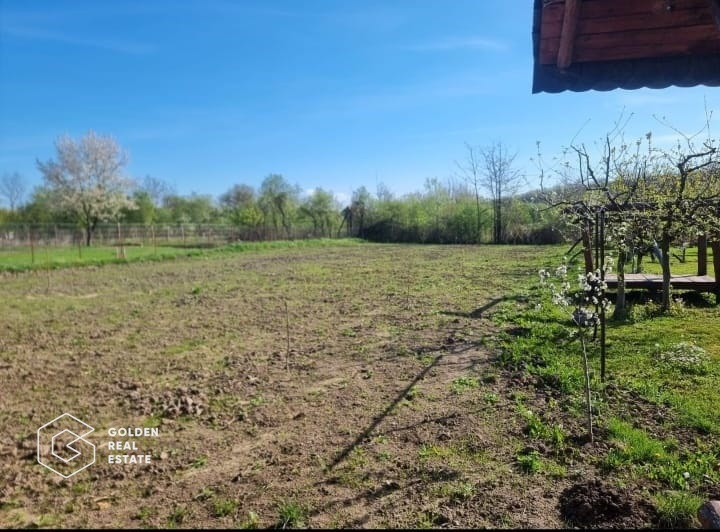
point(435, 451)
point(677, 509)
point(223, 507)
point(677, 267)
point(646, 355)
point(177, 516)
point(652, 453)
point(635, 446)
point(491, 398)
point(250, 523)
point(463, 384)
point(291, 514)
point(661, 460)
point(537, 429)
point(457, 491)
point(51, 257)
point(529, 462)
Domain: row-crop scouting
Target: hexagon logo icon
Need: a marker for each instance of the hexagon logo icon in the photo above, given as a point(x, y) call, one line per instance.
point(62, 447)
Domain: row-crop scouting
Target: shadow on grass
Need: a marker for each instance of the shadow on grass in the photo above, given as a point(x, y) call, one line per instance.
point(379, 418)
point(365, 434)
point(478, 312)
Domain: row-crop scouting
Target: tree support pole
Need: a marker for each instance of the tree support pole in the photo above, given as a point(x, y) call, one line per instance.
point(602, 296)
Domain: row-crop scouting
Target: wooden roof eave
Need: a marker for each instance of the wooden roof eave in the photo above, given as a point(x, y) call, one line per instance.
point(653, 72)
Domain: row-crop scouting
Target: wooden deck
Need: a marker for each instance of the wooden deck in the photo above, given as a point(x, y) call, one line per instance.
point(652, 281)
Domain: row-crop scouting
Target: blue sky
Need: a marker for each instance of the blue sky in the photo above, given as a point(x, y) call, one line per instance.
point(330, 93)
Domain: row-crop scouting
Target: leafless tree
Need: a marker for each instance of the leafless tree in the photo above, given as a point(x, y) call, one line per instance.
point(12, 188)
point(158, 189)
point(471, 171)
point(500, 179)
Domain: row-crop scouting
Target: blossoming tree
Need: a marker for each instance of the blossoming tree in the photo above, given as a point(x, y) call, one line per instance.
point(582, 304)
point(87, 175)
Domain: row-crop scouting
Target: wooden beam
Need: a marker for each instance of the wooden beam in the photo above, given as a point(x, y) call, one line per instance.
point(567, 36)
point(715, 8)
point(670, 20)
point(690, 40)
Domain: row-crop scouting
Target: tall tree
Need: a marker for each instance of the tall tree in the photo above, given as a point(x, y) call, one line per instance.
point(436, 197)
point(12, 188)
point(470, 171)
point(157, 189)
point(320, 207)
point(277, 201)
point(87, 176)
point(239, 203)
point(357, 212)
point(237, 197)
point(500, 179)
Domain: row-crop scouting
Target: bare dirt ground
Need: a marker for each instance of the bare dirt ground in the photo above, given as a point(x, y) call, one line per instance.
point(390, 412)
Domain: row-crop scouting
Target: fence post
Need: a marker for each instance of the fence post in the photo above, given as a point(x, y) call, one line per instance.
point(121, 247)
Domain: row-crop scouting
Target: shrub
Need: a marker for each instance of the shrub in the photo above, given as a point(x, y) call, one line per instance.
point(686, 357)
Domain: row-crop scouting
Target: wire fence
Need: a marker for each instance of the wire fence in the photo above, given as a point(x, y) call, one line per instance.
point(33, 245)
point(25, 246)
point(13, 236)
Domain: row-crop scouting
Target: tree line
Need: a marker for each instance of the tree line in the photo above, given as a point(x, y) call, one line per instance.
point(84, 184)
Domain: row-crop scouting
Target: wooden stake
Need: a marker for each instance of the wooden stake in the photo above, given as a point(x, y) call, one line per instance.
point(47, 264)
point(287, 330)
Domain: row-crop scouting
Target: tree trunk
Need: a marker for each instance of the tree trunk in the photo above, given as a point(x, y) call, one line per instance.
point(494, 223)
point(88, 235)
point(588, 399)
point(620, 310)
point(498, 222)
point(477, 217)
point(702, 255)
point(587, 247)
point(665, 262)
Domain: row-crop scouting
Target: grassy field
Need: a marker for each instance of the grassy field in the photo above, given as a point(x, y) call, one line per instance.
point(23, 258)
point(419, 386)
point(676, 266)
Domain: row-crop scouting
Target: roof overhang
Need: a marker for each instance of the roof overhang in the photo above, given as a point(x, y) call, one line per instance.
point(581, 45)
